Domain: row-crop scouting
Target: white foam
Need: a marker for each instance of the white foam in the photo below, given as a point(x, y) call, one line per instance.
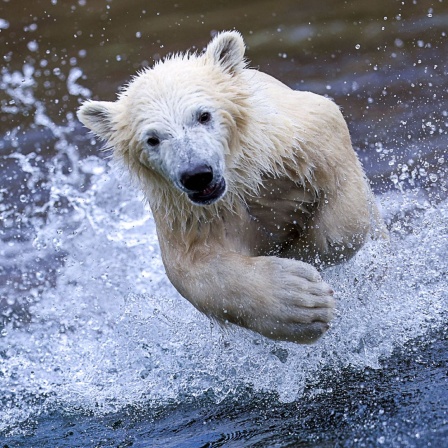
point(114, 332)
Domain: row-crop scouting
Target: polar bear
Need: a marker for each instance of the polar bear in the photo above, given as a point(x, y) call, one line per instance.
point(252, 186)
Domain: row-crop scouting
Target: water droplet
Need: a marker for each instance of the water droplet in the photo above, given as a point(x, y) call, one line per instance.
point(4, 24)
point(433, 177)
point(32, 46)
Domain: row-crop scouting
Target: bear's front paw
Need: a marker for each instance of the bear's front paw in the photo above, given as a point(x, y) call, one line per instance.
point(301, 303)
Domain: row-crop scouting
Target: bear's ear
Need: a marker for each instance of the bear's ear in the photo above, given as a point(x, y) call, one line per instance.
point(98, 116)
point(227, 50)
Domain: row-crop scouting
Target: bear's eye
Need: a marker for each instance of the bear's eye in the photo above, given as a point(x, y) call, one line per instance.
point(153, 141)
point(204, 117)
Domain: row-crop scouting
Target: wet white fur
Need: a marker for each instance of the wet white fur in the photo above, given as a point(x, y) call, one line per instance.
point(296, 193)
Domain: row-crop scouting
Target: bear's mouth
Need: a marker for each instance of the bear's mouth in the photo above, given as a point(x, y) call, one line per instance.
point(209, 195)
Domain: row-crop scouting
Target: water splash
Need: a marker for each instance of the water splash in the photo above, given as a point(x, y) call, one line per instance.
point(99, 326)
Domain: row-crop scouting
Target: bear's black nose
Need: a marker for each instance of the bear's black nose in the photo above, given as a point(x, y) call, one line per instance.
point(197, 178)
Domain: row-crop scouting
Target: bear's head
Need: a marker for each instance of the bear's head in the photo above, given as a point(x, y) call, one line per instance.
point(178, 122)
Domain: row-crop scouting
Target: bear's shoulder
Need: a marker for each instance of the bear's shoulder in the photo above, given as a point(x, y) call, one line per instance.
point(270, 94)
point(266, 85)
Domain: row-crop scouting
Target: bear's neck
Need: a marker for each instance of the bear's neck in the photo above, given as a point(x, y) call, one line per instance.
point(176, 214)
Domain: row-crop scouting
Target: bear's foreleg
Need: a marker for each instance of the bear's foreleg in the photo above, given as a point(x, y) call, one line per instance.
point(282, 299)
